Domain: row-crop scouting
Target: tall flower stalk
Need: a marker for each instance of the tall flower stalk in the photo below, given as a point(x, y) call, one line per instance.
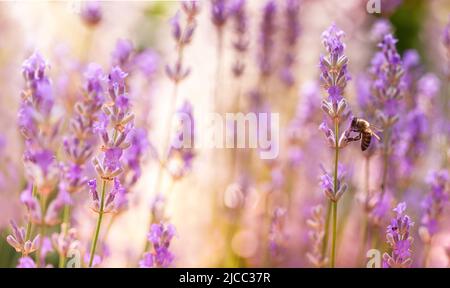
point(177, 72)
point(433, 205)
point(387, 88)
point(114, 124)
point(81, 141)
point(292, 27)
point(39, 125)
point(219, 17)
point(334, 77)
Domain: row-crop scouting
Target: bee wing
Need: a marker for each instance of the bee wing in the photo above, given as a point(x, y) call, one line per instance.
point(375, 128)
point(376, 136)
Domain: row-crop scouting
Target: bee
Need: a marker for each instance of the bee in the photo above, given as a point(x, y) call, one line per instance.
point(365, 130)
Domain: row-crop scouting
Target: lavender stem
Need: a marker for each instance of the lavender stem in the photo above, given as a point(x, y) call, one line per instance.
point(29, 225)
point(336, 160)
point(99, 223)
point(327, 228)
point(66, 220)
point(43, 200)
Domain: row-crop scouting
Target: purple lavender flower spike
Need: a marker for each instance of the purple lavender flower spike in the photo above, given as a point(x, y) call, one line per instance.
point(122, 54)
point(292, 28)
point(160, 236)
point(399, 239)
point(115, 139)
point(434, 204)
point(26, 262)
point(219, 12)
point(239, 17)
point(267, 31)
point(38, 126)
point(147, 62)
point(91, 13)
point(316, 224)
point(182, 152)
point(19, 242)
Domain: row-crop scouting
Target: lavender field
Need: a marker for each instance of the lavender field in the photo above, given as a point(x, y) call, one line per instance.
point(225, 133)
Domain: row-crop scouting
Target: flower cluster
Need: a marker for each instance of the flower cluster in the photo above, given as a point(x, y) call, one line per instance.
point(219, 13)
point(38, 125)
point(241, 41)
point(434, 204)
point(91, 13)
point(334, 77)
point(114, 200)
point(80, 144)
point(18, 240)
point(266, 38)
point(181, 152)
point(117, 117)
point(326, 181)
point(183, 37)
point(388, 84)
point(292, 28)
point(399, 239)
point(277, 233)
point(316, 234)
point(160, 236)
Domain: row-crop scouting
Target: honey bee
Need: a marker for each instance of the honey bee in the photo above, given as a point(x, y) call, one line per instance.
point(365, 130)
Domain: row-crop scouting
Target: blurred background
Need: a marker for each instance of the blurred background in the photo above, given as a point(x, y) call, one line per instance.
point(219, 206)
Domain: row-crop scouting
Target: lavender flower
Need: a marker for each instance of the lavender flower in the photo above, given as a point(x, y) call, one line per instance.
point(277, 234)
point(134, 155)
point(326, 182)
point(19, 242)
point(113, 199)
point(147, 62)
point(317, 233)
point(333, 66)
point(117, 115)
point(388, 85)
point(446, 42)
point(114, 125)
point(26, 262)
point(399, 239)
point(80, 143)
point(434, 204)
point(122, 54)
point(266, 38)
point(334, 76)
point(91, 13)
point(160, 236)
point(241, 41)
point(380, 28)
point(219, 13)
point(183, 37)
point(35, 209)
point(38, 125)
point(63, 243)
point(182, 150)
point(292, 28)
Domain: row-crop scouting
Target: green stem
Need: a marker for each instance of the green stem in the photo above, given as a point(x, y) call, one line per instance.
point(99, 223)
point(336, 163)
point(29, 225)
point(333, 243)
point(43, 200)
point(385, 161)
point(66, 221)
point(327, 229)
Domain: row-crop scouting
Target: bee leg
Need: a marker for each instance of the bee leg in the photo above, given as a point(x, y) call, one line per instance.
point(351, 139)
